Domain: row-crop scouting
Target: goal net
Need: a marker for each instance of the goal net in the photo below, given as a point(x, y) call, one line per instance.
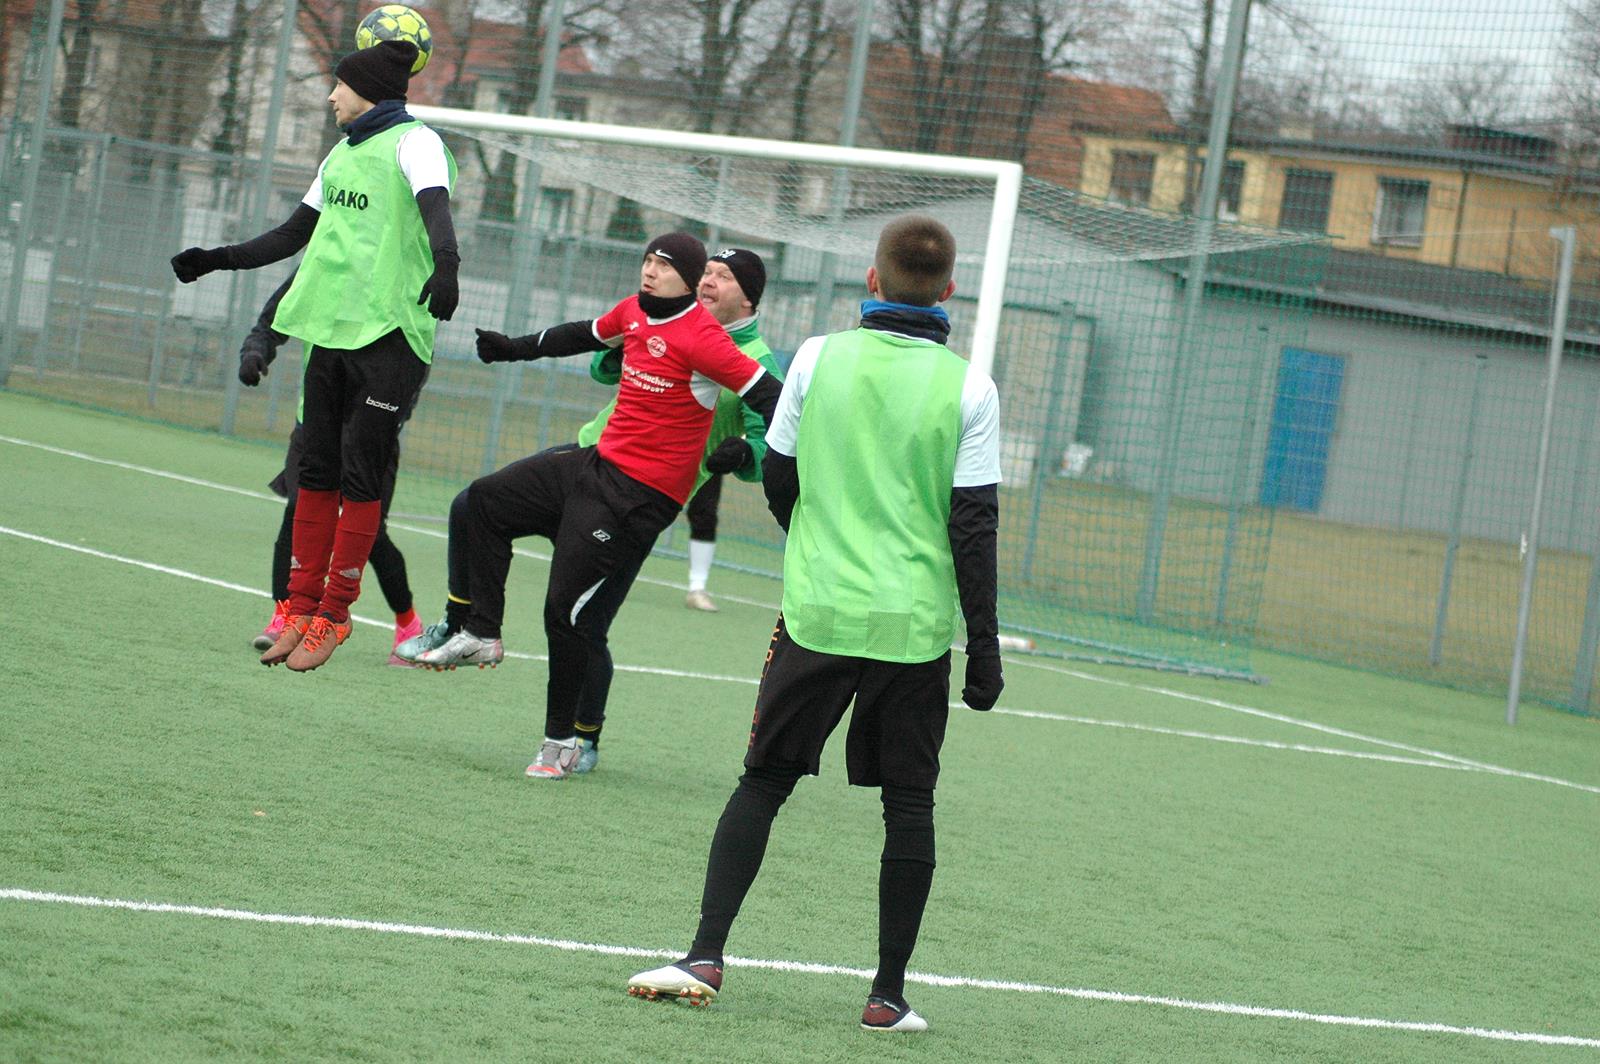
point(1135, 416)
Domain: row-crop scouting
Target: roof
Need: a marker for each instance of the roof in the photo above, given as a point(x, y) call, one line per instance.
point(1443, 294)
point(1411, 148)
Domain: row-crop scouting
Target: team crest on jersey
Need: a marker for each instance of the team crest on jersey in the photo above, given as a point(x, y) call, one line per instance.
point(656, 346)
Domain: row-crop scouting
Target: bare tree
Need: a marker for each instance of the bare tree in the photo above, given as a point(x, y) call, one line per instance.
point(1577, 95)
point(979, 71)
point(581, 24)
point(75, 74)
point(1481, 91)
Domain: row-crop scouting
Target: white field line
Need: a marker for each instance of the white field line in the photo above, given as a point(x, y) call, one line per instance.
point(1326, 729)
point(753, 681)
point(800, 967)
point(1365, 755)
point(229, 585)
point(1232, 707)
point(265, 496)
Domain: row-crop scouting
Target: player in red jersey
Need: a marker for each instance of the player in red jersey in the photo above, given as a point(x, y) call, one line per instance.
point(601, 506)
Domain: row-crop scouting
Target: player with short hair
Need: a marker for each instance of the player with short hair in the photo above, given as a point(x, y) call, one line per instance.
point(601, 506)
point(256, 355)
point(377, 231)
point(883, 464)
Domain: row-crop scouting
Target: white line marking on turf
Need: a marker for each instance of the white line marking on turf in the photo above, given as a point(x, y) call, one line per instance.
point(1270, 744)
point(432, 533)
point(130, 467)
point(1327, 729)
point(652, 670)
point(801, 967)
point(1027, 662)
point(167, 570)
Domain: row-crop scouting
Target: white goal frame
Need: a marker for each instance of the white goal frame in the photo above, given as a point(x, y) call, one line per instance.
point(1007, 178)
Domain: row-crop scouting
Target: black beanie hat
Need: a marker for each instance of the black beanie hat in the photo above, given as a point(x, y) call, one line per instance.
point(378, 73)
point(685, 252)
point(748, 269)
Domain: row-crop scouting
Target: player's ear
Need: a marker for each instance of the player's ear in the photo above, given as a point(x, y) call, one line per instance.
point(949, 290)
point(872, 282)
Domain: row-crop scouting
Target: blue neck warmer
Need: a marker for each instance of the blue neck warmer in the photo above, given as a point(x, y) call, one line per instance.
point(925, 323)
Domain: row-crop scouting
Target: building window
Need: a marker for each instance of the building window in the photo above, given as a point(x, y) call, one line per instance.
point(1401, 209)
point(572, 108)
point(555, 210)
point(1133, 176)
point(1307, 195)
point(1231, 193)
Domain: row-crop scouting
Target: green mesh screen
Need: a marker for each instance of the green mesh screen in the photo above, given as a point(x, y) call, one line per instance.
point(1327, 448)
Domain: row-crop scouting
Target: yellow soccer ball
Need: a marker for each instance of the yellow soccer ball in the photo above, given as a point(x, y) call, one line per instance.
point(397, 22)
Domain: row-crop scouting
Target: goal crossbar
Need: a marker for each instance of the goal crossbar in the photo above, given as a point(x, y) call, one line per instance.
point(1007, 178)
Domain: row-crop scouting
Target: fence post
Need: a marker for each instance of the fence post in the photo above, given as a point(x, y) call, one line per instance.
point(1568, 237)
point(1458, 507)
point(1193, 298)
point(1241, 469)
point(828, 270)
point(525, 244)
point(246, 305)
point(30, 191)
point(1046, 460)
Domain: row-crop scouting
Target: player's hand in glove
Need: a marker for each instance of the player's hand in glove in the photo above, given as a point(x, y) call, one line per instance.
point(254, 358)
point(731, 454)
point(191, 264)
point(440, 292)
point(984, 682)
point(498, 347)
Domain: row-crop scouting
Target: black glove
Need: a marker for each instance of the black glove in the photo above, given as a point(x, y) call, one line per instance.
point(191, 264)
point(253, 360)
point(984, 682)
point(731, 454)
point(497, 347)
point(440, 292)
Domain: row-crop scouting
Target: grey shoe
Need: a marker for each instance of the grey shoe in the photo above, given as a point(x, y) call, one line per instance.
point(463, 648)
point(432, 637)
point(588, 757)
point(556, 761)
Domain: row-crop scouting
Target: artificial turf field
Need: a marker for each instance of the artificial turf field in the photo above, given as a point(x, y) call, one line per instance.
point(203, 858)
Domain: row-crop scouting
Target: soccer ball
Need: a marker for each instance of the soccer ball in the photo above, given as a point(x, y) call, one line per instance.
point(397, 22)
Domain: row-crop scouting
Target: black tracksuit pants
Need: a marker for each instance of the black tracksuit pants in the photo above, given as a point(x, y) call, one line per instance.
point(599, 521)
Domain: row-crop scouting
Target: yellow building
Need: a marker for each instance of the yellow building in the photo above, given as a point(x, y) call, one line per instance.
point(1477, 199)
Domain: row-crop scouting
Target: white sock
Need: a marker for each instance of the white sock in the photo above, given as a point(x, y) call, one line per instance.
point(700, 553)
point(568, 743)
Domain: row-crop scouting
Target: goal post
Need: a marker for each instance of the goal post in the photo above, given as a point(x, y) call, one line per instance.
point(1007, 178)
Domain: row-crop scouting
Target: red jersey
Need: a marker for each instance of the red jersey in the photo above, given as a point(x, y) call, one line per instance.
point(673, 369)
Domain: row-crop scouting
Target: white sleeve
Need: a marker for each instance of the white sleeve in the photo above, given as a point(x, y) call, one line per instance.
point(783, 433)
point(313, 196)
point(422, 159)
point(978, 455)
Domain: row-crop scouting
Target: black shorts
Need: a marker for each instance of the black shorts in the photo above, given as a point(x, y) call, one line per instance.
point(896, 729)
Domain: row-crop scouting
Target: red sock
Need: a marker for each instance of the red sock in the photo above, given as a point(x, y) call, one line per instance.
point(357, 531)
point(316, 515)
point(402, 620)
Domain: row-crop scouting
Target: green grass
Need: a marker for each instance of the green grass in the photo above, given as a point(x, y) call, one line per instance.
point(144, 756)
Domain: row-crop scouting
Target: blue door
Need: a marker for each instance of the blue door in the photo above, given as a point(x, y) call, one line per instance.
point(1303, 416)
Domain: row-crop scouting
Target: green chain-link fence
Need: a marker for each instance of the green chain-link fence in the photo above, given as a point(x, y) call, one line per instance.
point(1330, 450)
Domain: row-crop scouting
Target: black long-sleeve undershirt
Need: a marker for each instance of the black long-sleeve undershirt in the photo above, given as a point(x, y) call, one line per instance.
point(974, 544)
point(434, 205)
point(275, 244)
